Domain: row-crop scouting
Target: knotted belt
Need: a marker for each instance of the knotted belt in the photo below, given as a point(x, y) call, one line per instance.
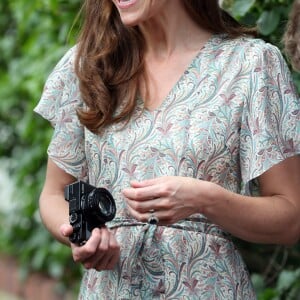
point(146, 273)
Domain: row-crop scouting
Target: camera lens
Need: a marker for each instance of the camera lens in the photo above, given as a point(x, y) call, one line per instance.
point(104, 206)
point(101, 205)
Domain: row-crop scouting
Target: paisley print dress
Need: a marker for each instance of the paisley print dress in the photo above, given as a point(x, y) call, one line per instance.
point(232, 115)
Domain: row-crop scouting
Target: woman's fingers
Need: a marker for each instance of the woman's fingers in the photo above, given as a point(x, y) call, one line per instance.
point(144, 190)
point(109, 260)
point(101, 248)
point(169, 198)
point(66, 230)
point(101, 251)
point(86, 252)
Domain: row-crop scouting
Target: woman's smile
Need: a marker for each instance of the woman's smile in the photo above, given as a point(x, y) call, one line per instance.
point(125, 4)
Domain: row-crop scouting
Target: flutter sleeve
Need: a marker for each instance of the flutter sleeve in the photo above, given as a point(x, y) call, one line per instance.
point(58, 104)
point(270, 130)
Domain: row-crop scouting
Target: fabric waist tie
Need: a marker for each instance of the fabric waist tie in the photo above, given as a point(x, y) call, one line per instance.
point(146, 278)
point(197, 224)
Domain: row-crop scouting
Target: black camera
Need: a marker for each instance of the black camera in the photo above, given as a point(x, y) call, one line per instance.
point(89, 207)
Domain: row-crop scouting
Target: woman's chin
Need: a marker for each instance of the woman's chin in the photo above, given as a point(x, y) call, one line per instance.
point(129, 21)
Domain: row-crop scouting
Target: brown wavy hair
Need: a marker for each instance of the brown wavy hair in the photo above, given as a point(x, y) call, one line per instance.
point(110, 63)
point(291, 37)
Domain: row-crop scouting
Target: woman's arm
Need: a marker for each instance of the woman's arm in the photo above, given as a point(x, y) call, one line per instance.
point(101, 251)
point(274, 217)
point(54, 209)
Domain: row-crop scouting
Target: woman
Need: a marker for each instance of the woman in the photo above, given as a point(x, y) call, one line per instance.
point(170, 106)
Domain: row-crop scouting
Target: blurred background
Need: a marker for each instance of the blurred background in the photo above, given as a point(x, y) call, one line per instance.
point(34, 35)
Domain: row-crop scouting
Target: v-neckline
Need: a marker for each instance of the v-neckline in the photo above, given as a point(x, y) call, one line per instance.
point(173, 89)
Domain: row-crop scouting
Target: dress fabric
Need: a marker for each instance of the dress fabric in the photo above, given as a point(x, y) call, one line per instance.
point(232, 115)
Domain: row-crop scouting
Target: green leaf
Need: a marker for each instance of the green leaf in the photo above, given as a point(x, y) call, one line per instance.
point(268, 22)
point(287, 279)
point(241, 7)
point(258, 282)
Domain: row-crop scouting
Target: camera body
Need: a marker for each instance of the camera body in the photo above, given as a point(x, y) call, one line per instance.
point(89, 207)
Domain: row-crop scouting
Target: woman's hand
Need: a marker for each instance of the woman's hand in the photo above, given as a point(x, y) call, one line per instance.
point(100, 252)
point(172, 198)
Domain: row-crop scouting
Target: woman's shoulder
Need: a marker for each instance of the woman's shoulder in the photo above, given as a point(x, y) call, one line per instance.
point(61, 89)
point(66, 64)
point(246, 50)
point(251, 47)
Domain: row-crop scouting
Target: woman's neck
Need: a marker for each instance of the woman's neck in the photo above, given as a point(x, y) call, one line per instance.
point(172, 32)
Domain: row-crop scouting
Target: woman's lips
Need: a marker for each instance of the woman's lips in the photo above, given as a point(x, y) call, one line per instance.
point(123, 4)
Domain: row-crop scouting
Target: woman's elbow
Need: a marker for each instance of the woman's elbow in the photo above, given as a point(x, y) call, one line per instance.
point(291, 234)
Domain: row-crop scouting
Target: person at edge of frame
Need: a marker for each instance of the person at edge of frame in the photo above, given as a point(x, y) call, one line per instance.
point(291, 38)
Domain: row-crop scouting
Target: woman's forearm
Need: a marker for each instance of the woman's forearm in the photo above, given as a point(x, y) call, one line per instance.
point(269, 219)
point(54, 213)
point(272, 218)
point(54, 209)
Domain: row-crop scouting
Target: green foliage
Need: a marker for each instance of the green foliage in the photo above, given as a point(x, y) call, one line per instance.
point(287, 286)
point(268, 16)
point(34, 35)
